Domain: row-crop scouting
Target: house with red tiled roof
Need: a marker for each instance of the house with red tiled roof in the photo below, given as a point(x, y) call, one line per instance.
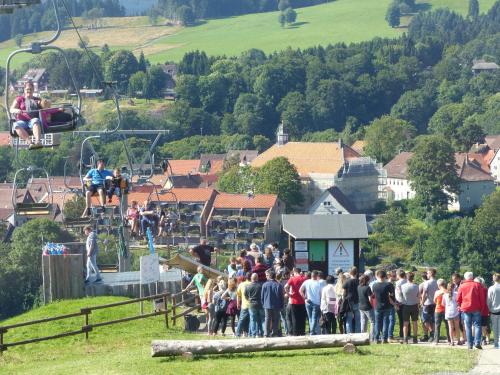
point(489, 151)
point(475, 181)
point(236, 220)
point(322, 165)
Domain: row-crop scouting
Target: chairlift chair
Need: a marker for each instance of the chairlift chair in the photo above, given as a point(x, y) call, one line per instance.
point(31, 208)
point(67, 115)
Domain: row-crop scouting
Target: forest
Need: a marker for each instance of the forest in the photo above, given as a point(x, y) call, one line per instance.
point(41, 17)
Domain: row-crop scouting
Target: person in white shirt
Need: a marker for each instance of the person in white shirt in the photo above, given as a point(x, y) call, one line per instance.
point(451, 313)
point(329, 307)
point(493, 301)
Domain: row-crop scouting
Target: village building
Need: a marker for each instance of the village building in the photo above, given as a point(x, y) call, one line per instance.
point(480, 66)
point(475, 181)
point(332, 202)
point(325, 242)
point(39, 77)
point(489, 151)
point(322, 165)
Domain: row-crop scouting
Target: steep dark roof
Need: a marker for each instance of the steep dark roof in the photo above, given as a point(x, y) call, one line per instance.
point(186, 181)
point(336, 193)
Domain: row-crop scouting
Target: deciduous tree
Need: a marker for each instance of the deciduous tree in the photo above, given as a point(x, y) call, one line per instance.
point(432, 172)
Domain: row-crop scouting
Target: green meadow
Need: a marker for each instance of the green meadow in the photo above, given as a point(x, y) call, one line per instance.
point(125, 348)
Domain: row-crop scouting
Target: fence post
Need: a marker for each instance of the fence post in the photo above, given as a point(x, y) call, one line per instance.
point(86, 328)
point(166, 309)
point(174, 302)
point(2, 331)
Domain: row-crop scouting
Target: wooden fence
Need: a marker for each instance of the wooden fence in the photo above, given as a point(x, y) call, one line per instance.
point(178, 300)
point(87, 326)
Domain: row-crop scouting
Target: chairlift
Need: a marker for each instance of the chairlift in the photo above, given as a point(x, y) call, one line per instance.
point(64, 117)
point(31, 208)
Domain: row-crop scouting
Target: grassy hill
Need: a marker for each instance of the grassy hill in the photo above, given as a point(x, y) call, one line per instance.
point(338, 21)
point(125, 349)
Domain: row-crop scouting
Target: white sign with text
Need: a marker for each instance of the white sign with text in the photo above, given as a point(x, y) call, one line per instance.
point(340, 255)
point(150, 272)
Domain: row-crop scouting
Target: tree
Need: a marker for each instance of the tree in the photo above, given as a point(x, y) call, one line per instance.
point(468, 134)
point(283, 4)
point(19, 39)
point(73, 208)
point(448, 118)
point(295, 113)
point(84, 42)
point(290, 15)
point(158, 81)
point(416, 107)
point(473, 9)
point(187, 89)
point(121, 65)
point(279, 176)
point(485, 243)
point(385, 136)
point(25, 258)
point(282, 19)
point(432, 172)
point(442, 247)
point(393, 14)
point(195, 63)
point(186, 15)
point(237, 180)
point(142, 63)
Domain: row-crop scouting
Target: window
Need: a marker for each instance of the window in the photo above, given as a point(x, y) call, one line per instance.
point(327, 203)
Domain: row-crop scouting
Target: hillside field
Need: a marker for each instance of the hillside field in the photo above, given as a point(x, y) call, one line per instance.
point(125, 349)
point(338, 21)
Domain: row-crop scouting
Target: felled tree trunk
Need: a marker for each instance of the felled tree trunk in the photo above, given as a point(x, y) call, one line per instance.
point(162, 348)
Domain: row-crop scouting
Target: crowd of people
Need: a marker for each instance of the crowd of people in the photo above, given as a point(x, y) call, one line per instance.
point(265, 295)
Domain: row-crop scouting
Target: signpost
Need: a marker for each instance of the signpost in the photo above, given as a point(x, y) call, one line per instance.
point(340, 255)
point(149, 273)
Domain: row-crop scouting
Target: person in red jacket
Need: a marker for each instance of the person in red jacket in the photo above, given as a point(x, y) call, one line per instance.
point(485, 312)
point(471, 301)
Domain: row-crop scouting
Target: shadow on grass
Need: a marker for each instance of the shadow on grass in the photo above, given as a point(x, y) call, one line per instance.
point(320, 352)
point(296, 25)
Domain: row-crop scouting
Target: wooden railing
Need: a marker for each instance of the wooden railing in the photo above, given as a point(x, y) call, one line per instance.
point(179, 299)
point(87, 326)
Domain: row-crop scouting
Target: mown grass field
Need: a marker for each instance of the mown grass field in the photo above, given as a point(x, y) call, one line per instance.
point(337, 21)
point(125, 349)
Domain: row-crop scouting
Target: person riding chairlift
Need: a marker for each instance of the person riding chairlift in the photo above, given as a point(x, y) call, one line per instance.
point(26, 108)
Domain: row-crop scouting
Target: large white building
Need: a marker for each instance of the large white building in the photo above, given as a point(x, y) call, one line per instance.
point(475, 181)
point(322, 165)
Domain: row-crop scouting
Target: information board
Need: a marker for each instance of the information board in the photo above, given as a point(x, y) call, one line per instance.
point(150, 272)
point(340, 255)
point(302, 260)
point(300, 245)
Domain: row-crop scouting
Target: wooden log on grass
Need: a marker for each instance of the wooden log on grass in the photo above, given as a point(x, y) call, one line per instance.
point(163, 348)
